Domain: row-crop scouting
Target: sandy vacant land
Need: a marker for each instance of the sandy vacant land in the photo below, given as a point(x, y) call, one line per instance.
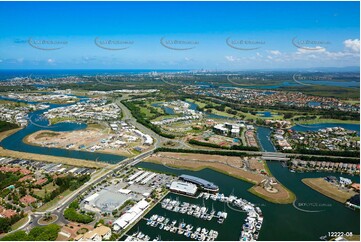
point(214, 139)
point(37, 157)
point(229, 165)
point(89, 137)
point(328, 189)
point(283, 195)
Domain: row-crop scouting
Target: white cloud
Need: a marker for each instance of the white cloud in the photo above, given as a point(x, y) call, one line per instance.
point(232, 58)
point(316, 49)
point(352, 45)
point(275, 52)
point(50, 61)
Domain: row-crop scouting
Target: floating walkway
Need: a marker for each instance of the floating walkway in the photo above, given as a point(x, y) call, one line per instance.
point(163, 223)
point(254, 220)
point(193, 210)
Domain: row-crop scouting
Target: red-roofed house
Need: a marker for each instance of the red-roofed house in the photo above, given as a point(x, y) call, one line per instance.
point(15, 169)
point(9, 169)
point(27, 199)
point(41, 181)
point(6, 213)
point(26, 178)
point(25, 171)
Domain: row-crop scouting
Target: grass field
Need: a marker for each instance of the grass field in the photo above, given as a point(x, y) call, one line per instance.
point(12, 103)
point(203, 103)
point(50, 204)
point(19, 223)
point(59, 120)
point(200, 104)
point(49, 188)
point(146, 112)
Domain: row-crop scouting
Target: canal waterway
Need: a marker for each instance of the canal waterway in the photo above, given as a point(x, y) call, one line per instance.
point(37, 123)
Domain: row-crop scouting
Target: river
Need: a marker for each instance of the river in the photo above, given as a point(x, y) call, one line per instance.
point(37, 123)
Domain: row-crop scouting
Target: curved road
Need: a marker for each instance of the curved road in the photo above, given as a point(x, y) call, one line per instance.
point(160, 140)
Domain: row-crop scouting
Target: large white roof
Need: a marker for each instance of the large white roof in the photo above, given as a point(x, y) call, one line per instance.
point(92, 197)
point(183, 187)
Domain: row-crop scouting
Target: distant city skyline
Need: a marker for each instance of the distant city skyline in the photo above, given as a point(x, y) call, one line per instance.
point(179, 35)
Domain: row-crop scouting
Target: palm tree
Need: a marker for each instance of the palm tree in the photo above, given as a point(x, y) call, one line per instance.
point(47, 216)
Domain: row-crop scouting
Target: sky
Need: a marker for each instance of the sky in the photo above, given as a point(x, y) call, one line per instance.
point(179, 35)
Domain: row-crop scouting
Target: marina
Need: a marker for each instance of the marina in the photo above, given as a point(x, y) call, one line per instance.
point(139, 236)
point(276, 217)
point(193, 210)
point(181, 228)
point(250, 228)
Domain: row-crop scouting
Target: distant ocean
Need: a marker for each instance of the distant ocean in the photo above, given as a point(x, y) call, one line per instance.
point(6, 74)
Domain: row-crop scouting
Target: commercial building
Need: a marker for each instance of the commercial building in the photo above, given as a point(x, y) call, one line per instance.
point(183, 188)
point(228, 129)
point(130, 216)
point(203, 184)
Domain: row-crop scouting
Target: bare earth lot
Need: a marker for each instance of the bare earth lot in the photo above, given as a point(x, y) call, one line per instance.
point(37, 157)
point(86, 138)
point(328, 189)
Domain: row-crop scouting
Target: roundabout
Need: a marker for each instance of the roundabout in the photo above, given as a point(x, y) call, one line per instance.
point(48, 219)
